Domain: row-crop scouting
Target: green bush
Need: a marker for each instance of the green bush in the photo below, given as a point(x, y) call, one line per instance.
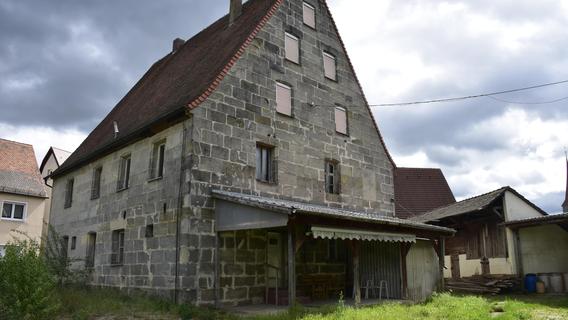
point(27, 289)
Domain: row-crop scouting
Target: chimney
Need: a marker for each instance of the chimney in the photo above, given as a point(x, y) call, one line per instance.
point(177, 44)
point(235, 10)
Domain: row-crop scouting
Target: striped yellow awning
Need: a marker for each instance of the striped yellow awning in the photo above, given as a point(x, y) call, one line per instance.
point(364, 235)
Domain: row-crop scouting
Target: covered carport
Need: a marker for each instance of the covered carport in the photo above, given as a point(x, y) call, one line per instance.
point(377, 247)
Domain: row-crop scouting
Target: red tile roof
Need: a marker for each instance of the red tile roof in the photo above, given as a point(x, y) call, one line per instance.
point(182, 80)
point(175, 82)
point(419, 190)
point(18, 169)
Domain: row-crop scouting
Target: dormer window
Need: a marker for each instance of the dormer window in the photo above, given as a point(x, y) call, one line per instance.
point(292, 48)
point(329, 66)
point(309, 15)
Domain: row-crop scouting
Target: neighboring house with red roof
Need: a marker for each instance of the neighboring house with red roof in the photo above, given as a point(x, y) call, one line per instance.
point(419, 190)
point(245, 167)
point(22, 193)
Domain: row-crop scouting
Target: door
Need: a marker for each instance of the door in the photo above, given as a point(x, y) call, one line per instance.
point(455, 263)
point(274, 259)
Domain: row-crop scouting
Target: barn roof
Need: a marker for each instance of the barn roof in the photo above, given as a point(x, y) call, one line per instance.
point(419, 190)
point(474, 204)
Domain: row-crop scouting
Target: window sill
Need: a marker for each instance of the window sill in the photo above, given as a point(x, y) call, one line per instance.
point(96, 198)
point(67, 207)
point(13, 220)
point(122, 189)
point(293, 62)
point(116, 264)
point(290, 116)
point(330, 79)
point(345, 135)
point(268, 183)
point(156, 179)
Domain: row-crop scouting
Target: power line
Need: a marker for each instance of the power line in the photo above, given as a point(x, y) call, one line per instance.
point(532, 103)
point(477, 96)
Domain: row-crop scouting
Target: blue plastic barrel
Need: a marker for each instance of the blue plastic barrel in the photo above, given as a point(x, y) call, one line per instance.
point(530, 282)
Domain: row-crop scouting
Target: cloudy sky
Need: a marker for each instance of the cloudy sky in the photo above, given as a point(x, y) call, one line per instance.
point(64, 64)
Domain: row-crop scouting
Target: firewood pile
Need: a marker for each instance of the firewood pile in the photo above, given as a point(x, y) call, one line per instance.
point(484, 284)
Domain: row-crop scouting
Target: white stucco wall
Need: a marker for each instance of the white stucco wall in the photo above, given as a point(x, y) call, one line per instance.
point(517, 209)
point(544, 249)
point(32, 224)
point(472, 267)
point(422, 270)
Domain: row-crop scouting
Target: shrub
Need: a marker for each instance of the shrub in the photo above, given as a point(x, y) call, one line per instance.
point(27, 289)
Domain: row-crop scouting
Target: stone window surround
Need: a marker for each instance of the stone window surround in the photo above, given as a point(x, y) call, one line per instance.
point(14, 204)
point(284, 85)
point(69, 186)
point(157, 160)
point(124, 166)
point(336, 187)
point(271, 169)
point(73, 242)
point(117, 245)
point(91, 250)
point(341, 108)
point(328, 55)
point(96, 182)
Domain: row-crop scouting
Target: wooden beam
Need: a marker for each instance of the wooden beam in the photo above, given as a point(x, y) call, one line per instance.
point(291, 265)
point(441, 250)
point(356, 276)
point(518, 252)
point(404, 249)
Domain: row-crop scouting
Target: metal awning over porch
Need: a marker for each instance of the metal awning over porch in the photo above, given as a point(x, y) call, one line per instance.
point(237, 211)
point(363, 235)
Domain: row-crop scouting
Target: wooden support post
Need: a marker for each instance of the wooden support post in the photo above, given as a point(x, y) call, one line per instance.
point(356, 276)
point(404, 249)
point(518, 252)
point(217, 270)
point(441, 256)
point(291, 265)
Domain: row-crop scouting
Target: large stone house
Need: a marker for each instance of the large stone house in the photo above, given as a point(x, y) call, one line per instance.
point(245, 167)
point(22, 194)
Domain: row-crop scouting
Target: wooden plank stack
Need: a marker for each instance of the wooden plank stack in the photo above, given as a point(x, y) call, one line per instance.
point(484, 284)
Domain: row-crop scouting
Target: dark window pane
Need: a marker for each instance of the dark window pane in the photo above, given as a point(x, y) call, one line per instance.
point(19, 211)
point(7, 210)
point(161, 160)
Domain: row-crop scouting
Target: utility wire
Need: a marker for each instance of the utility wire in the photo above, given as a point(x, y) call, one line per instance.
point(490, 95)
point(517, 102)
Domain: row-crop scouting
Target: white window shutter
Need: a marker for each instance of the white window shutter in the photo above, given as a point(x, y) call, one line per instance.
point(283, 99)
point(309, 15)
point(292, 48)
point(341, 120)
point(329, 66)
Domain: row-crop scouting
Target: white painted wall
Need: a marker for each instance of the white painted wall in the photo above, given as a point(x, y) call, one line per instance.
point(517, 209)
point(544, 249)
point(422, 270)
point(472, 267)
point(32, 225)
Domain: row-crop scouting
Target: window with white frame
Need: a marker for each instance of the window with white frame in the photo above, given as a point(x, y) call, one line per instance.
point(13, 210)
point(309, 15)
point(329, 66)
point(124, 173)
point(69, 193)
point(341, 120)
point(292, 48)
point(157, 160)
point(283, 99)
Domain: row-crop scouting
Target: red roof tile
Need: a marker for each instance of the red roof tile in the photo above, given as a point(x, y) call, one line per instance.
point(176, 82)
point(419, 190)
point(18, 169)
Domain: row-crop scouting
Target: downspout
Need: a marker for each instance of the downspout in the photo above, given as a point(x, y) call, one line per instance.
point(180, 207)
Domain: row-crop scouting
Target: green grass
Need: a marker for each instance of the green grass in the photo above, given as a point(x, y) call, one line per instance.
point(79, 304)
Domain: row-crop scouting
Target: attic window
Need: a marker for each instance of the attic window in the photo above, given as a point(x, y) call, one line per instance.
point(292, 48)
point(329, 66)
point(309, 15)
point(341, 120)
point(283, 99)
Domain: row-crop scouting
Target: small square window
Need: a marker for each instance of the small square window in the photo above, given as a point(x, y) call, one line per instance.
point(149, 232)
point(69, 193)
point(341, 120)
point(73, 242)
point(157, 160)
point(124, 173)
point(283, 99)
point(329, 66)
point(265, 164)
point(309, 15)
point(292, 48)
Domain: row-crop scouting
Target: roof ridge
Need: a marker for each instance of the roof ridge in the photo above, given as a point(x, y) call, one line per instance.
point(17, 142)
point(502, 189)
